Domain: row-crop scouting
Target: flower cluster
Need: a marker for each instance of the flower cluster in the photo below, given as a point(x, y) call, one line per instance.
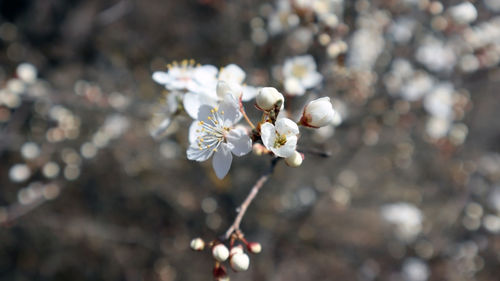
point(214, 99)
point(190, 86)
point(235, 254)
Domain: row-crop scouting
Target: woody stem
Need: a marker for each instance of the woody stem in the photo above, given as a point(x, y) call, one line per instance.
point(235, 227)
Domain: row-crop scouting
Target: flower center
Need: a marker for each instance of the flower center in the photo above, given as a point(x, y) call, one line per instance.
point(279, 141)
point(299, 70)
point(213, 133)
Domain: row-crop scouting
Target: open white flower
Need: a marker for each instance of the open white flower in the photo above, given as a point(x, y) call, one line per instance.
point(234, 76)
point(213, 89)
point(300, 74)
point(213, 133)
point(281, 138)
point(186, 76)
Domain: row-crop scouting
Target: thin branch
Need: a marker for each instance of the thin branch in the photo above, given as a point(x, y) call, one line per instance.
point(242, 110)
point(235, 227)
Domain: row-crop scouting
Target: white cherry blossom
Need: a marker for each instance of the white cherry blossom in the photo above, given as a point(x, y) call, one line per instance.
point(300, 74)
point(281, 138)
point(164, 117)
point(213, 133)
point(186, 76)
point(234, 76)
point(214, 88)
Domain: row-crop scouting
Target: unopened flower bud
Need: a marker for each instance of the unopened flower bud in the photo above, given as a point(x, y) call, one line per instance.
point(318, 113)
point(258, 149)
point(197, 244)
point(240, 262)
point(294, 160)
point(268, 97)
point(254, 247)
point(236, 250)
point(220, 252)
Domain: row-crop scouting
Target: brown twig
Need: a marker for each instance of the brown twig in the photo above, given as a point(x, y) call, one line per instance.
point(235, 227)
point(242, 110)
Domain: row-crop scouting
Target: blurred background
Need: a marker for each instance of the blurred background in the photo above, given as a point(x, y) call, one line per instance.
point(411, 190)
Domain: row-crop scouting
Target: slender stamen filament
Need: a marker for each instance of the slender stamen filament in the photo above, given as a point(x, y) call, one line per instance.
point(212, 131)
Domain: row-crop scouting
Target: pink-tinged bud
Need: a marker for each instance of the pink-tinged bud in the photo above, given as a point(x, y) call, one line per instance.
point(236, 250)
point(254, 247)
point(268, 97)
point(220, 252)
point(318, 113)
point(258, 149)
point(239, 262)
point(295, 160)
point(197, 244)
point(220, 272)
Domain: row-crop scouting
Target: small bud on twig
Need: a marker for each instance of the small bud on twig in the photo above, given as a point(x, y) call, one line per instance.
point(268, 97)
point(295, 160)
point(220, 252)
point(254, 247)
point(197, 244)
point(236, 250)
point(318, 113)
point(239, 262)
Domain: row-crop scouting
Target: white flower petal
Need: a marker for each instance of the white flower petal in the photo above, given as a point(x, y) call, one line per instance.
point(249, 93)
point(293, 87)
point(205, 113)
point(161, 77)
point(232, 73)
point(194, 131)
point(287, 68)
point(205, 75)
point(239, 141)
point(222, 161)
point(193, 101)
point(173, 99)
point(311, 80)
point(229, 110)
point(307, 61)
point(288, 149)
point(200, 155)
point(285, 126)
point(223, 88)
point(267, 134)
